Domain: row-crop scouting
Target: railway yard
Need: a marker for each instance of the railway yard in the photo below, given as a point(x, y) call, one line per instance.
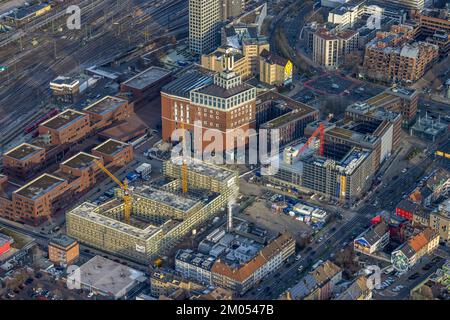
point(38, 52)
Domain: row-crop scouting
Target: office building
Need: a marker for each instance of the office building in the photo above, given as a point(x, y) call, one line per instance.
point(204, 25)
point(398, 99)
point(242, 38)
point(227, 105)
point(342, 173)
point(289, 117)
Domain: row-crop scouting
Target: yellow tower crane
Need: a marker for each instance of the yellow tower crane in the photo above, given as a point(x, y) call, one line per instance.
point(184, 167)
point(126, 192)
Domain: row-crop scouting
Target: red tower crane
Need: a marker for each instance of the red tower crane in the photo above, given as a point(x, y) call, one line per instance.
point(320, 131)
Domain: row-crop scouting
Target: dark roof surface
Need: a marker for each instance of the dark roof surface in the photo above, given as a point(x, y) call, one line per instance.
point(218, 91)
point(273, 58)
point(183, 85)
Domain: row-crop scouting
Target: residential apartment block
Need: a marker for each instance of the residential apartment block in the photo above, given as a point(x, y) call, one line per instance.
point(244, 277)
point(63, 250)
point(195, 266)
point(409, 253)
point(435, 25)
point(440, 220)
point(394, 57)
point(318, 284)
point(331, 47)
point(358, 290)
point(274, 69)
point(161, 214)
point(24, 161)
point(114, 153)
point(373, 239)
point(67, 127)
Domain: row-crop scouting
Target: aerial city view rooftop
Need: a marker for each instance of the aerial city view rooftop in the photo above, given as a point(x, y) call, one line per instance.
point(240, 150)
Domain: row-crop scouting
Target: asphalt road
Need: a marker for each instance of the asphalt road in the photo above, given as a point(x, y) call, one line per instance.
point(344, 234)
point(408, 283)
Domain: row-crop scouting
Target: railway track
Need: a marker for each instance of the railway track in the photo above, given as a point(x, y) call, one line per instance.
point(34, 70)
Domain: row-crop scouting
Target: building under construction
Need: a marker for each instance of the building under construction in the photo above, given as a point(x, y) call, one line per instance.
point(161, 212)
point(340, 173)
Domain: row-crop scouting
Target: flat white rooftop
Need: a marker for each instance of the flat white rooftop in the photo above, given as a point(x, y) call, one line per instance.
point(109, 277)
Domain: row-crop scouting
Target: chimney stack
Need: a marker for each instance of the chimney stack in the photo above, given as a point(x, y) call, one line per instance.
point(230, 216)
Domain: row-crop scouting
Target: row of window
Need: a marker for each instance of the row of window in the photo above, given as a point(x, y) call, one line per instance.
point(221, 103)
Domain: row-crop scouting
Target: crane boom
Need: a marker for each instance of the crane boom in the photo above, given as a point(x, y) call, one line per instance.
point(101, 166)
point(126, 193)
point(319, 131)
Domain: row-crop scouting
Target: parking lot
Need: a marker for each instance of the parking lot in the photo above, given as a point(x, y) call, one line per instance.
point(30, 285)
point(330, 84)
point(317, 91)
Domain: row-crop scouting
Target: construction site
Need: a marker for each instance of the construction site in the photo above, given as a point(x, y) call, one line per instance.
point(338, 173)
point(144, 221)
point(341, 157)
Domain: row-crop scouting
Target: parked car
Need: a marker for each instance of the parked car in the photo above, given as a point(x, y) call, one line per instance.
point(427, 267)
point(414, 276)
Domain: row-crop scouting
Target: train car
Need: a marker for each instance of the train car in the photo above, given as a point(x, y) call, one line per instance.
point(33, 126)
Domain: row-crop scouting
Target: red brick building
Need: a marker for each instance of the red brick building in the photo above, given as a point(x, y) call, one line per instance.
point(146, 85)
point(393, 56)
point(114, 153)
point(39, 199)
point(435, 25)
point(68, 127)
point(109, 109)
point(80, 171)
point(227, 104)
point(23, 161)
